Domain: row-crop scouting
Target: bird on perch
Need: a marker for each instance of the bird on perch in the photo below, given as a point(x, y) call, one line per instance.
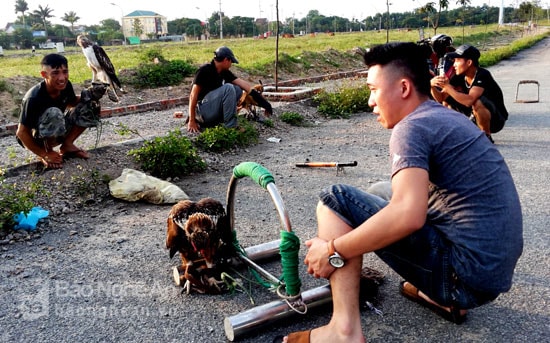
point(200, 232)
point(101, 66)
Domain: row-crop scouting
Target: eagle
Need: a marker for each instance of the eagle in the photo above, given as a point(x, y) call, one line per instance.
point(200, 232)
point(102, 68)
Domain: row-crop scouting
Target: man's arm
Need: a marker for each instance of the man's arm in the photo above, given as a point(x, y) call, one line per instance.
point(467, 100)
point(192, 125)
point(260, 100)
point(24, 134)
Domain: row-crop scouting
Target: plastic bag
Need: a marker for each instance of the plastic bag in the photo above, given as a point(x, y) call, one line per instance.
point(134, 185)
point(28, 221)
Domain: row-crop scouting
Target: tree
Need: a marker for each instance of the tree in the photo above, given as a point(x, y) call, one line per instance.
point(71, 18)
point(137, 27)
point(44, 13)
point(434, 14)
point(21, 6)
point(463, 4)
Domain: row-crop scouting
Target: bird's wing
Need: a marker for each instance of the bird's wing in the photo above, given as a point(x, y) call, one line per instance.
point(106, 65)
point(181, 211)
point(211, 207)
point(176, 239)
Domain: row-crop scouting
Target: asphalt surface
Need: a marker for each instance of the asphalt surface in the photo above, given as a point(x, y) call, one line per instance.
point(70, 292)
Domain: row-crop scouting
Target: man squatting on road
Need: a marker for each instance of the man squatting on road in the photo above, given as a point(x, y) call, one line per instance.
point(216, 91)
point(452, 227)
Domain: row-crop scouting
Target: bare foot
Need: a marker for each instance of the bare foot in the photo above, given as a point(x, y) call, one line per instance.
point(76, 154)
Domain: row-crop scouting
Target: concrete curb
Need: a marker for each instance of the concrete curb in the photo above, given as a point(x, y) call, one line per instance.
point(10, 128)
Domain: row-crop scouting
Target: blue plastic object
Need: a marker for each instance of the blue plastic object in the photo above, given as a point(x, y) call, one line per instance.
point(28, 221)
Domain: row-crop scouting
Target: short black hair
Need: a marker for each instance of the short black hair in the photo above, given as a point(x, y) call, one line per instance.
point(55, 61)
point(406, 56)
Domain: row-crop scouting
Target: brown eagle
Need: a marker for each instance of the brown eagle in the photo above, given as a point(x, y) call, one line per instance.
point(200, 232)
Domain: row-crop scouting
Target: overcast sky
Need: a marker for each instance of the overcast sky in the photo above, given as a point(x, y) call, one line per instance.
point(91, 12)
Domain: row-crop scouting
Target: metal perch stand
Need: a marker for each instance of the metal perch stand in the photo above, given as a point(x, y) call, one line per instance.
point(292, 301)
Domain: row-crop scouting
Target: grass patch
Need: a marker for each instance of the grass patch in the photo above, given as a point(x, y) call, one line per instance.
point(220, 138)
point(16, 198)
point(169, 156)
point(292, 118)
point(257, 55)
point(343, 103)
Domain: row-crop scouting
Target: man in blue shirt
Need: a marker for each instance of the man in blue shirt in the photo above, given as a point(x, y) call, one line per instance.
point(452, 227)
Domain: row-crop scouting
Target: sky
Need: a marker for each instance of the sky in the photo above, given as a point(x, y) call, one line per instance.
point(91, 12)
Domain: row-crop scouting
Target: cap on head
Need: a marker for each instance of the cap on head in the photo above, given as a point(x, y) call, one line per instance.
point(224, 52)
point(465, 51)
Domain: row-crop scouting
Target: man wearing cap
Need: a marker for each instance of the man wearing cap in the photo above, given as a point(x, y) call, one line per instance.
point(216, 91)
point(472, 91)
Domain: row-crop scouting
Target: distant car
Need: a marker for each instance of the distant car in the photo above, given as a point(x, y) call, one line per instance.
point(48, 45)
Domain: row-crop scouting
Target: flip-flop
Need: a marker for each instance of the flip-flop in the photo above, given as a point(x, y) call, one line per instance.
point(411, 292)
point(295, 337)
point(76, 154)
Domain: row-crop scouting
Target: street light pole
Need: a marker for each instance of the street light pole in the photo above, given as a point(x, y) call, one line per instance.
point(221, 21)
point(121, 22)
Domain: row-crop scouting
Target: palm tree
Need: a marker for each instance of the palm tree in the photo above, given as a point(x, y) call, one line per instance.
point(44, 13)
point(21, 6)
point(429, 9)
point(71, 18)
point(463, 3)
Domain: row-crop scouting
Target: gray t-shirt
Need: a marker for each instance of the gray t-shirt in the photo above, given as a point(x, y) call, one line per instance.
point(473, 201)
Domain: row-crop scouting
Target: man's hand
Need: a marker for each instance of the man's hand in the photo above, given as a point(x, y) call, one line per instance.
point(193, 127)
point(317, 258)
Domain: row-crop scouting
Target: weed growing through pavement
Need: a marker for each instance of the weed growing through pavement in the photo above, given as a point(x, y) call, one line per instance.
point(17, 197)
point(292, 118)
point(220, 138)
point(169, 156)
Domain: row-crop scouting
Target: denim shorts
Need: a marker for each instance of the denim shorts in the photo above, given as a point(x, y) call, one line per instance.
point(423, 258)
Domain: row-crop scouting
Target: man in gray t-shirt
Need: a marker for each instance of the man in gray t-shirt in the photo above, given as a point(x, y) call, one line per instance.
point(452, 225)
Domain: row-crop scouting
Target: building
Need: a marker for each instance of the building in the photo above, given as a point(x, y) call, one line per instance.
point(153, 25)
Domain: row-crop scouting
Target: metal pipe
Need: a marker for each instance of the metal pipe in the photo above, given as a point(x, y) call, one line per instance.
point(244, 322)
point(263, 251)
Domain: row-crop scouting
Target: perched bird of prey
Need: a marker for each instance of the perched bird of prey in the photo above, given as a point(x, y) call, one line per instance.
point(102, 68)
point(249, 101)
point(200, 232)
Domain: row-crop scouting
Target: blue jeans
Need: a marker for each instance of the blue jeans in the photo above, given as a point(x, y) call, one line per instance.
point(220, 106)
point(423, 258)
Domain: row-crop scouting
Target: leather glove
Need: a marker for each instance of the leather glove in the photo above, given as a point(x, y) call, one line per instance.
point(261, 101)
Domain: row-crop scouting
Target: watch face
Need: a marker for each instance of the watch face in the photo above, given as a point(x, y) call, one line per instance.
point(336, 261)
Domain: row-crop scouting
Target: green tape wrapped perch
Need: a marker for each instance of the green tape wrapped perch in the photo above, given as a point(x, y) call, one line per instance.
point(289, 248)
point(255, 171)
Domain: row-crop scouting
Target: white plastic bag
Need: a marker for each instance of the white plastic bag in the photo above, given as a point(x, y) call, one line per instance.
point(134, 185)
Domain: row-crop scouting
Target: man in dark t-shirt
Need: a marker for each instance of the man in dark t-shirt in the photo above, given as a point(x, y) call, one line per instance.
point(472, 91)
point(43, 122)
point(216, 91)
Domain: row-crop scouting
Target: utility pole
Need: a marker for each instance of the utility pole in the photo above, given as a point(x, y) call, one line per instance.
point(388, 22)
point(221, 21)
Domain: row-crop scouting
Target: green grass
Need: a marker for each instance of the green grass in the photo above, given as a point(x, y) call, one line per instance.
point(257, 55)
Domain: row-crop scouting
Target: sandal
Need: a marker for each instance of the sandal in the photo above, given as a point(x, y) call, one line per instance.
point(295, 337)
point(411, 292)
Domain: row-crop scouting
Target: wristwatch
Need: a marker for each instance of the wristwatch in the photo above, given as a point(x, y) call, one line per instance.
point(334, 258)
